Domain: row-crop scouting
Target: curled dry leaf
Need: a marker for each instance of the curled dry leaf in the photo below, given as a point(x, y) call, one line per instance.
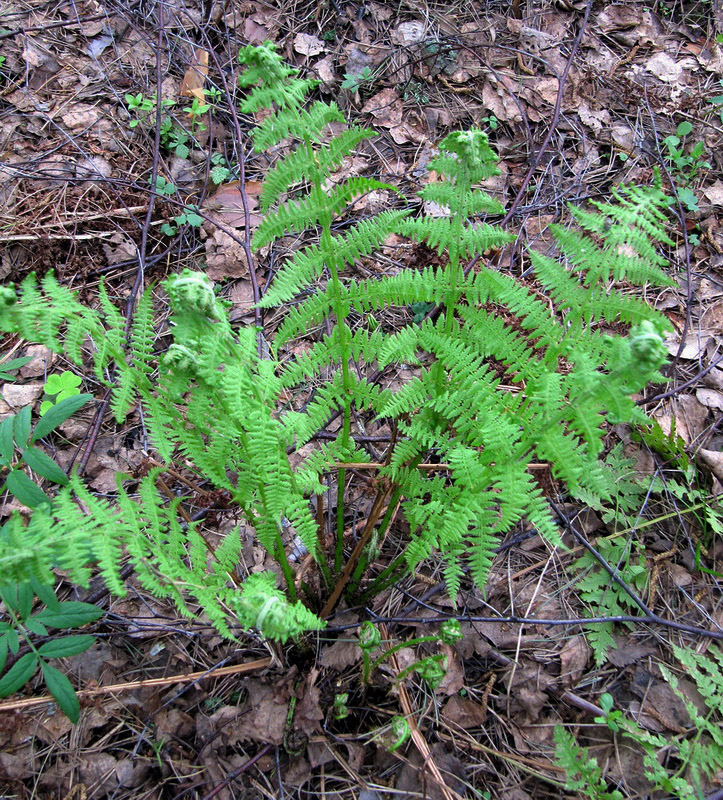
point(195, 76)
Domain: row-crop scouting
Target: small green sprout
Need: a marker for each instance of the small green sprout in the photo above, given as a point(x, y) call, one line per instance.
point(58, 387)
point(354, 81)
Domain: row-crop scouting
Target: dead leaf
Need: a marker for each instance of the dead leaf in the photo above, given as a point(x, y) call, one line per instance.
point(81, 116)
point(308, 713)
point(713, 460)
point(573, 660)
point(195, 76)
point(256, 29)
point(408, 33)
point(42, 361)
point(308, 45)
point(710, 398)
point(628, 651)
point(340, 655)
point(227, 204)
point(416, 780)
point(17, 395)
point(385, 107)
point(714, 193)
point(464, 712)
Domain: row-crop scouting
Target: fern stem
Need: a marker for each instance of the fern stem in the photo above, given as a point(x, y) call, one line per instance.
point(397, 569)
point(327, 245)
point(386, 521)
point(285, 567)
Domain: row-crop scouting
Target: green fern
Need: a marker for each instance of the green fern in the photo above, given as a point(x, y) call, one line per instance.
point(583, 772)
point(212, 402)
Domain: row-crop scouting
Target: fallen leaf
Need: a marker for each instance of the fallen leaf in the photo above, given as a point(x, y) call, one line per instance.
point(385, 107)
point(340, 655)
point(308, 45)
point(195, 76)
point(714, 193)
point(573, 660)
point(464, 712)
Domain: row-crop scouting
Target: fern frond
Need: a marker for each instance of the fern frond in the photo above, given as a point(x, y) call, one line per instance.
point(307, 265)
point(292, 121)
point(296, 167)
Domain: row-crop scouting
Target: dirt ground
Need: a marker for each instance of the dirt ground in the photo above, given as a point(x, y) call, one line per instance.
point(576, 97)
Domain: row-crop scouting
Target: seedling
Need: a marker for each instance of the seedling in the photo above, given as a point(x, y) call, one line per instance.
point(18, 599)
point(188, 217)
point(686, 165)
point(7, 368)
point(17, 450)
point(58, 387)
point(354, 81)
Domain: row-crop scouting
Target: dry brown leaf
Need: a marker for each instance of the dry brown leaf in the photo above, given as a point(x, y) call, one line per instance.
point(464, 712)
point(340, 655)
point(573, 660)
point(453, 679)
point(713, 460)
point(385, 107)
point(628, 651)
point(308, 45)
point(195, 76)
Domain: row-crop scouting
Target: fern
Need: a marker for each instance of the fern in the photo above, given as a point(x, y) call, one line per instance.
point(210, 401)
point(583, 772)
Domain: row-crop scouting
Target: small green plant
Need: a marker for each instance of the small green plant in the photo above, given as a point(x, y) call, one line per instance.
point(685, 162)
point(8, 368)
point(583, 772)
point(393, 735)
point(164, 187)
point(415, 92)
point(717, 101)
point(59, 387)
point(17, 450)
point(604, 596)
point(220, 170)
point(141, 107)
point(698, 752)
point(174, 138)
point(354, 82)
point(492, 121)
point(25, 624)
point(432, 669)
point(212, 400)
point(189, 216)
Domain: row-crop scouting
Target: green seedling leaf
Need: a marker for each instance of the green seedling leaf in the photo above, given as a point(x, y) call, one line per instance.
point(58, 414)
point(13, 641)
point(688, 199)
point(18, 675)
point(27, 492)
point(7, 442)
point(684, 128)
point(66, 646)
point(18, 597)
point(43, 465)
point(62, 690)
point(11, 366)
point(36, 627)
point(219, 174)
point(46, 593)
point(65, 381)
point(22, 426)
point(72, 614)
point(3, 651)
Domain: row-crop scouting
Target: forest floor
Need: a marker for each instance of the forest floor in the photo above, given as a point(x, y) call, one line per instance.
point(576, 97)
